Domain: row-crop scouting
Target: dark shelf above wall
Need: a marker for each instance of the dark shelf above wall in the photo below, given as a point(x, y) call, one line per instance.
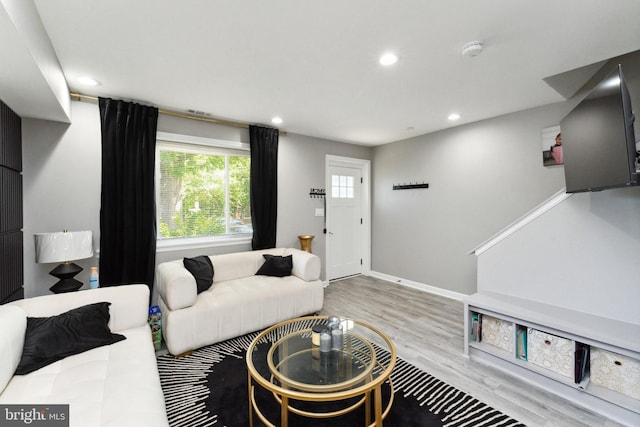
point(410, 186)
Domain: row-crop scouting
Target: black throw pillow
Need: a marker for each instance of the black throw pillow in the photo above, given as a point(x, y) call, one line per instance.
point(202, 270)
point(49, 339)
point(277, 266)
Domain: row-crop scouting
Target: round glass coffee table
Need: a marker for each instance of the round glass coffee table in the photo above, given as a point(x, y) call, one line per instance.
point(286, 360)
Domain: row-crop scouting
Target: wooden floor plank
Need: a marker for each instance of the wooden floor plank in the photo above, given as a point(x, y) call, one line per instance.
point(427, 330)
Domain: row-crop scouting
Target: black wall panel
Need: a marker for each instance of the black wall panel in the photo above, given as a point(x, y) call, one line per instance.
point(11, 265)
point(10, 138)
point(11, 241)
point(11, 200)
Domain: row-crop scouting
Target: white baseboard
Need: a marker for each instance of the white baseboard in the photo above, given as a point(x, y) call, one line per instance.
point(420, 286)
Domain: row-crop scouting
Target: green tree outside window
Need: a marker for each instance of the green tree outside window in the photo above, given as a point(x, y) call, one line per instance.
point(203, 194)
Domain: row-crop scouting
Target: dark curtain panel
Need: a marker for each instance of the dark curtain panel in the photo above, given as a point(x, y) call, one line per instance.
point(127, 212)
point(264, 185)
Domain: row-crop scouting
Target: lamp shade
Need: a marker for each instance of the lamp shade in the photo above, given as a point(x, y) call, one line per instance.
point(63, 246)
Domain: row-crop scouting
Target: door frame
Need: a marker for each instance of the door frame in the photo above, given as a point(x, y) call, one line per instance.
point(365, 166)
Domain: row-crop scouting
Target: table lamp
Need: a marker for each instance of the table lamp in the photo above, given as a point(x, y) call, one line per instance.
point(64, 247)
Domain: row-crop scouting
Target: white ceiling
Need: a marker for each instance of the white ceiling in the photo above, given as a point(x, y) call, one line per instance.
point(314, 63)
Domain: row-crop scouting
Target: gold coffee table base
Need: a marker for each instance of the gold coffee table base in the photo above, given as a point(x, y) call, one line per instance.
point(366, 386)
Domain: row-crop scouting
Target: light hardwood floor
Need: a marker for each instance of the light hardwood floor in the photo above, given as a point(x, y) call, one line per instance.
point(427, 331)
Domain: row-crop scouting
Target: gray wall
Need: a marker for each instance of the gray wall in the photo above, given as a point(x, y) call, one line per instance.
point(62, 184)
point(482, 176)
point(302, 167)
point(61, 176)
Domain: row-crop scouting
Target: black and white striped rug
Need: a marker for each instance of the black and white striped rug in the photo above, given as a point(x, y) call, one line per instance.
point(209, 388)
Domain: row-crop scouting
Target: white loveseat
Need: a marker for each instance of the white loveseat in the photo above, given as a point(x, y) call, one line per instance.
point(238, 301)
point(115, 385)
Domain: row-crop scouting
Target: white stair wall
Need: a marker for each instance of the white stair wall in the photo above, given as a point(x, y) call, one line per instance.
point(580, 252)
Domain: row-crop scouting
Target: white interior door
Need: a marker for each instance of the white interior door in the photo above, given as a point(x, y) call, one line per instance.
point(344, 221)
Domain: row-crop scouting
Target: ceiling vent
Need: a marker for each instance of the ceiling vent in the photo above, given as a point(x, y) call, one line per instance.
point(199, 113)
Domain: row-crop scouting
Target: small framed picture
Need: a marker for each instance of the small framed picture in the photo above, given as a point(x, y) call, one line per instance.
point(552, 146)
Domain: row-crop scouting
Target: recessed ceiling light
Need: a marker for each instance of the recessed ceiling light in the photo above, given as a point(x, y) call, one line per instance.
point(88, 81)
point(388, 59)
point(453, 116)
point(276, 120)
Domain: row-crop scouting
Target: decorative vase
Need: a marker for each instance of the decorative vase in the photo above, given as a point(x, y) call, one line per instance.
point(305, 242)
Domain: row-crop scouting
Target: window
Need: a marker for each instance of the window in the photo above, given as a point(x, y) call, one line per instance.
point(341, 187)
point(202, 191)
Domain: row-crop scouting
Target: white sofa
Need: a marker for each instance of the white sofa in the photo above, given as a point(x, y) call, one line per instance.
point(115, 385)
point(238, 301)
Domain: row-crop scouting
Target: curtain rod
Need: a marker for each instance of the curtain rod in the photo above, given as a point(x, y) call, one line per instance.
point(81, 97)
